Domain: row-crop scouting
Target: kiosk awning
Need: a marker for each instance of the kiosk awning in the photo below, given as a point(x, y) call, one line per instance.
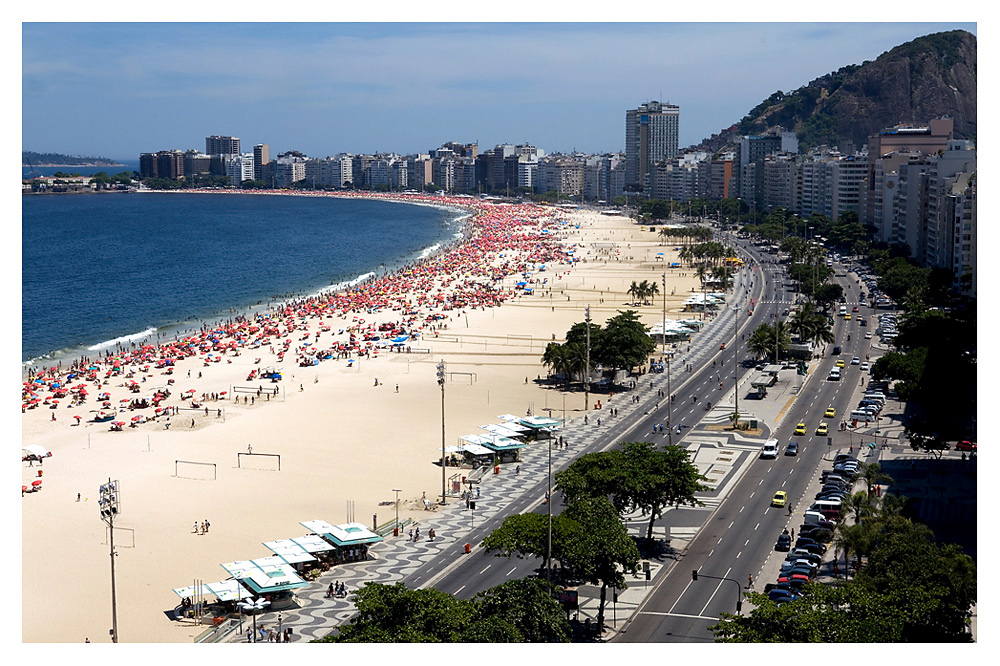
point(270, 582)
point(349, 534)
point(289, 551)
point(240, 568)
point(313, 544)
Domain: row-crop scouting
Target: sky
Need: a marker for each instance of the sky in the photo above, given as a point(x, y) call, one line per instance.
point(119, 89)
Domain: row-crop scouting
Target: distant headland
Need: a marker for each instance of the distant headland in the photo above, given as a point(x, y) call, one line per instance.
point(32, 159)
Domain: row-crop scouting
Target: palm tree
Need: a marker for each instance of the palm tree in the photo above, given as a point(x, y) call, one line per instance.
point(653, 289)
point(822, 332)
point(725, 276)
point(871, 473)
point(860, 504)
point(633, 291)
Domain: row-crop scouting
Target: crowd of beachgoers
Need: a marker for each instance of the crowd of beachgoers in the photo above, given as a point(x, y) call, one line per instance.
point(500, 241)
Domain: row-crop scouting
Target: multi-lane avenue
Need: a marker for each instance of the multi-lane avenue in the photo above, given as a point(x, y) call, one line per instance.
point(735, 537)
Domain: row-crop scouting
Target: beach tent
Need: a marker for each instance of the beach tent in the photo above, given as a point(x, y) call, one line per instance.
point(36, 451)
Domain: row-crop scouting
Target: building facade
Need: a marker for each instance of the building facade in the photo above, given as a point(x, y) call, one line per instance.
point(651, 135)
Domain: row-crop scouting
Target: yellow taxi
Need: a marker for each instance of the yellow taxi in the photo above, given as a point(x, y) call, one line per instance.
point(840, 364)
point(779, 498)
point(822, 429)
point(847, 316)
point(830, 412)
point(800, 429)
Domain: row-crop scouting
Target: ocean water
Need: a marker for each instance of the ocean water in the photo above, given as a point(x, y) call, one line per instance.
point(106, 268)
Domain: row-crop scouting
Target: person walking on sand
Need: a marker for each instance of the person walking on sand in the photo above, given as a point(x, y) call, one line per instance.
point(249, 448)
point(207, 525)
point(195, 529)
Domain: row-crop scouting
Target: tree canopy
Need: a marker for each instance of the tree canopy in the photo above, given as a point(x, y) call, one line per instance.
point(637, 476)
point(517, 611)
point(911, 590)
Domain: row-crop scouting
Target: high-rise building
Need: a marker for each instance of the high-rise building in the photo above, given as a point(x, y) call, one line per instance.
point(261, 156)
point(651, 132)
point(222, 145)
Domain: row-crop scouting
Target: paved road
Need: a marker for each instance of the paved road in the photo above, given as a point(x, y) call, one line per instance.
point(740, 535)
point(468, 575)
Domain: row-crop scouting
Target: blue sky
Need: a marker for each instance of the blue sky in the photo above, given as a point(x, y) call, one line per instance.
point(118, 89)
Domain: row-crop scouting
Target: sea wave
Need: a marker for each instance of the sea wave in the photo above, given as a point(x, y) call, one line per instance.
point(428, 251)
point(123, 339)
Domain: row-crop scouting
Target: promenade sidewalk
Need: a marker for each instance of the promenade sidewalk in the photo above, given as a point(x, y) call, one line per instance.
point(396, 558)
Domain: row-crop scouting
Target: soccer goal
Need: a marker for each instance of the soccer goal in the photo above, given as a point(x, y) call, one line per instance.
point(266, 461)
point(192, 469)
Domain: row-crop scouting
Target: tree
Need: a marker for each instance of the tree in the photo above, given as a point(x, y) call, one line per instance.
point(601, 551)
point(526, 609)
point(871, 473)
point(638, 476)
point(624, 343)
point(518, 611)
point(937, 581)
point(526, 535)
point(395, 614)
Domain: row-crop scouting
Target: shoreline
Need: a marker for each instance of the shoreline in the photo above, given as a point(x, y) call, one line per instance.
point(348, 433)
point(463, 216)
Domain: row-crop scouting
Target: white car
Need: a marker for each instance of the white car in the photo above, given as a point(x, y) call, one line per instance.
point(868, 336)
point(855, 360)
point(864, 367)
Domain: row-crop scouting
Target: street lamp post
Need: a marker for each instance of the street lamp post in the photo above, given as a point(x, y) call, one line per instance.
point(396, 529)
point(109, 506)
point(663, 332)
point(586, 369)
point(254, 607)
point(670, 418)
point(440, 379)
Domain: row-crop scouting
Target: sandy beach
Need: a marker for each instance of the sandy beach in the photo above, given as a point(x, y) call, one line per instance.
point(347, 433)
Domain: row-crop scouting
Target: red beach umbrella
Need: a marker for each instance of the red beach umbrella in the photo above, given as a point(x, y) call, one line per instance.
point(36, 483)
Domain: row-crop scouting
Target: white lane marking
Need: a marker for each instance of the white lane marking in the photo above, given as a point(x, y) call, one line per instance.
point(487, 567)
point(510, 572)
point(715, 592)
point(680, 596)
point(459, 589)
point(756, 526)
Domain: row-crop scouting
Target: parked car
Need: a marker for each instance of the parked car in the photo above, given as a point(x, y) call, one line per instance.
point(966, 445)
point(781, 596)
point(821, 534)
point(802, 554)
point(810, 545)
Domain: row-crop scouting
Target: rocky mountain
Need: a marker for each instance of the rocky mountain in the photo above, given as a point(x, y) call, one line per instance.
point(929, 77)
